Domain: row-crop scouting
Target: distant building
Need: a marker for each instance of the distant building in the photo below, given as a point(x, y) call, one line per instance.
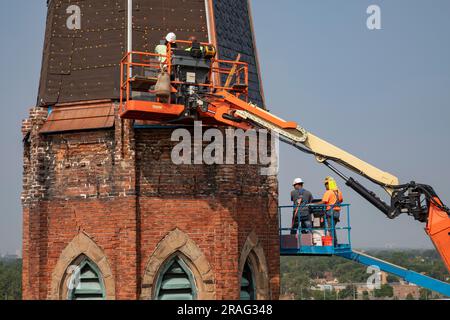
point(328, 278)
point(10, 257)
point(384, 277)
point(401, 290)
point(288, 296)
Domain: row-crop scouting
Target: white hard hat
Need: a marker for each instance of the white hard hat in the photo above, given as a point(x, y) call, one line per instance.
point(297, 181)
point(171, 37)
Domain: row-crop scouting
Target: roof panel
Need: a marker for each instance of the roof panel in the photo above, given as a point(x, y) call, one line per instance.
point(87, 61)
point(85, 117)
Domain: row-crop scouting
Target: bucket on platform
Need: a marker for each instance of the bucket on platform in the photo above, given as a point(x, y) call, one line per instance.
point(317, 237)
point(327, 241)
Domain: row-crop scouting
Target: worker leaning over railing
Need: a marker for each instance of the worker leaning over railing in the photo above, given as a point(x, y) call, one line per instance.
point(333, 199)
point(196, 49)
point(301, 198)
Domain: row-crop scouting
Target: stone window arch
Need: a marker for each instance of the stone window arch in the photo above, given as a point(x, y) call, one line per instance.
point(178, 244)
point(253, 261)
point(85, 281)
point(81, 248)
point(175, 281)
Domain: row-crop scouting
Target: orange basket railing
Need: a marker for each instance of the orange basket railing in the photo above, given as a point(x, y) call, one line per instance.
point(134, 63)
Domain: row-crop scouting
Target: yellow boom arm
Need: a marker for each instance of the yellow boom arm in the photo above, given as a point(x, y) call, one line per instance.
point(294, 134)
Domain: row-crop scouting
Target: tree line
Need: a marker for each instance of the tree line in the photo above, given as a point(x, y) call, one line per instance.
point(11, 279)
point(300, 274)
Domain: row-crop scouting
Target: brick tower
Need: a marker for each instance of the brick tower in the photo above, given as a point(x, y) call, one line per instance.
point(101, 196)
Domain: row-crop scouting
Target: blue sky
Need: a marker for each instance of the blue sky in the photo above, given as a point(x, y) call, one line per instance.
point(382, 95)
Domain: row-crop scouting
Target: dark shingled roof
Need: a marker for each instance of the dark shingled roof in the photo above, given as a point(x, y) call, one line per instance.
point(82, 65)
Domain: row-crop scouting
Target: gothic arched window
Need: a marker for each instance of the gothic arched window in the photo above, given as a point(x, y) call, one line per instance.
point(175, 282)
point(247, 283)
point(86, 282)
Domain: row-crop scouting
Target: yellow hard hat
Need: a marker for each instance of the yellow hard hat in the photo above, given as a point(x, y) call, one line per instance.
point(328, 179)
point(332, 185)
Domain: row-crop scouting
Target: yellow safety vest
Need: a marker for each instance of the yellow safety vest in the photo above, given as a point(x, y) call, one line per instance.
point(201, 48)
point(161, 50)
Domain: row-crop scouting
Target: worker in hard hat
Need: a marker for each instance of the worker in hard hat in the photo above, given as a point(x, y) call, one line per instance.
point(161, 49)
point(332, 198)
point(301, 198)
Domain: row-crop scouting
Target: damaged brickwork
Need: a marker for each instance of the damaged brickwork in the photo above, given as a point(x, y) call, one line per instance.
point(119, 188)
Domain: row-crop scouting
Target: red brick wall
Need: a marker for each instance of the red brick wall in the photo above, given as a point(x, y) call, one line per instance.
point(121, 188)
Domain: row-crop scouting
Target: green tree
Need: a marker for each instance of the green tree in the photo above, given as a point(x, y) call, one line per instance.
point(365, 295)
point(386, 291)
point(299, 274)
point(410, 297)
point(392, 279)
point(425, 294)
point(10, 280)
point(348, 292)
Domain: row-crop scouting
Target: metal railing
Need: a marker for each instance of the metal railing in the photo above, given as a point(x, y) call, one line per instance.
point(154, 63)
point(327, 234)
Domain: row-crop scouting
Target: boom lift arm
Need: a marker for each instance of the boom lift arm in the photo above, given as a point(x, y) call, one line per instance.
point(417, 200)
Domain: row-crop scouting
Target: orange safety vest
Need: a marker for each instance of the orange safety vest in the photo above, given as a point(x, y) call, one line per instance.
point(333, 197)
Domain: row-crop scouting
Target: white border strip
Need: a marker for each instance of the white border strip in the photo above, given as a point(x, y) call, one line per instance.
point(208, 20)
